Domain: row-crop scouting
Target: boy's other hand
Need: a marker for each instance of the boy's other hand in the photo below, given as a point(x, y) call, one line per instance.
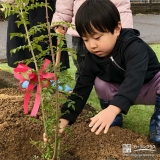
point(62, 125)
point(44, 138)
point(104, 119)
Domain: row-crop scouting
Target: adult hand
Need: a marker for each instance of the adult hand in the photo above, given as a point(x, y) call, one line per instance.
point(60, 29)
point(104, 119)
point(62, 125)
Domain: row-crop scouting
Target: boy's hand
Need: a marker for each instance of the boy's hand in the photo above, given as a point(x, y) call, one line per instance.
point(104, 119)
point(62, 125)
point(60, 29)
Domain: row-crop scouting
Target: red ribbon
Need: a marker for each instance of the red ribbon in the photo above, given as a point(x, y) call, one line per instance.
point(21, 71)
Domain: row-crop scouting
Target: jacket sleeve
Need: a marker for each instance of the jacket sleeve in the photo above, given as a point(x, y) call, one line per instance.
point(80, 95)
point(136, 60)
point(63, 11)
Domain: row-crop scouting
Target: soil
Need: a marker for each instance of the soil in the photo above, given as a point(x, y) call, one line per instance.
point(17, 130)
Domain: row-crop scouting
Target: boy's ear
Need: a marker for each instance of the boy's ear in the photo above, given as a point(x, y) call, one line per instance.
point(118, 28)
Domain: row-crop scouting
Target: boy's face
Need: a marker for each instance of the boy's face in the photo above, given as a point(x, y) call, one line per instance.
point(101, 43)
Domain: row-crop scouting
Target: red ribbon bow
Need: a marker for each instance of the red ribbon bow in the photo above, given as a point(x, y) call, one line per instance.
point(33, 79)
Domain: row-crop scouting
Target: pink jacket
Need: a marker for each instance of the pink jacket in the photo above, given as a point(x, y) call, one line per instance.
point(66, 11)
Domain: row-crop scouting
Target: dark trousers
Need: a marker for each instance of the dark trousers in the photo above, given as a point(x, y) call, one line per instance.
point(79, 46)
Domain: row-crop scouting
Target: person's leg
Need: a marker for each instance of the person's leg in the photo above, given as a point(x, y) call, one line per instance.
point(147, 95)
point(79, 47)
point(150, 95)
point(15, 42)
point(149, 91)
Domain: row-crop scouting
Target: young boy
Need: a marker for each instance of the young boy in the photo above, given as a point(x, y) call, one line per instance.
point(121, 66)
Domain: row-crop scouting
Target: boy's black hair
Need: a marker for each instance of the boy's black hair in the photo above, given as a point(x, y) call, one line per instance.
point(101, 14)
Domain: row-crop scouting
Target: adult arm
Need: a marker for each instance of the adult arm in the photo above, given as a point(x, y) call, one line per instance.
point(80, 94)
point(63, 11)
point(124, 8)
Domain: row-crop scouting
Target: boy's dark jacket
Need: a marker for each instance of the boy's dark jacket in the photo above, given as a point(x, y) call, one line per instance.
point(131, 63)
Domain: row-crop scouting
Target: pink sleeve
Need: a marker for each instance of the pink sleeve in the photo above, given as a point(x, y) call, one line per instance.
point(63, 11)
point(124, 8)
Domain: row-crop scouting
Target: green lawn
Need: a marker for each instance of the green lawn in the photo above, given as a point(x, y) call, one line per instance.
point(138, 117)
point(4, 66)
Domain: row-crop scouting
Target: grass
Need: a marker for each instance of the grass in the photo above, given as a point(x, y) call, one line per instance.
point(4, 66)
point(138, 117)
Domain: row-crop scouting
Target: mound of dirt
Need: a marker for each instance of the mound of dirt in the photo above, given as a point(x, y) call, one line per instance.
point(117, 144)
point(17, 130)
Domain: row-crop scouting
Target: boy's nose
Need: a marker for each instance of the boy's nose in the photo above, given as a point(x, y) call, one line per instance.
point(92, 45)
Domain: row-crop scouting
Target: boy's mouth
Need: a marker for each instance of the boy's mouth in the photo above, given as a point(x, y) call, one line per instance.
point(97, 53)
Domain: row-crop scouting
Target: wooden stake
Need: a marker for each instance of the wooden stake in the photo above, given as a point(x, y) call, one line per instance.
point(58, 54)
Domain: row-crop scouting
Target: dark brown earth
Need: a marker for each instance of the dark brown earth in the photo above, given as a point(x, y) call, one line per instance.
point(16, 131)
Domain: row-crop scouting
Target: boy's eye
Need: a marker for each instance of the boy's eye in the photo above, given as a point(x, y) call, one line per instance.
point(97, 38)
